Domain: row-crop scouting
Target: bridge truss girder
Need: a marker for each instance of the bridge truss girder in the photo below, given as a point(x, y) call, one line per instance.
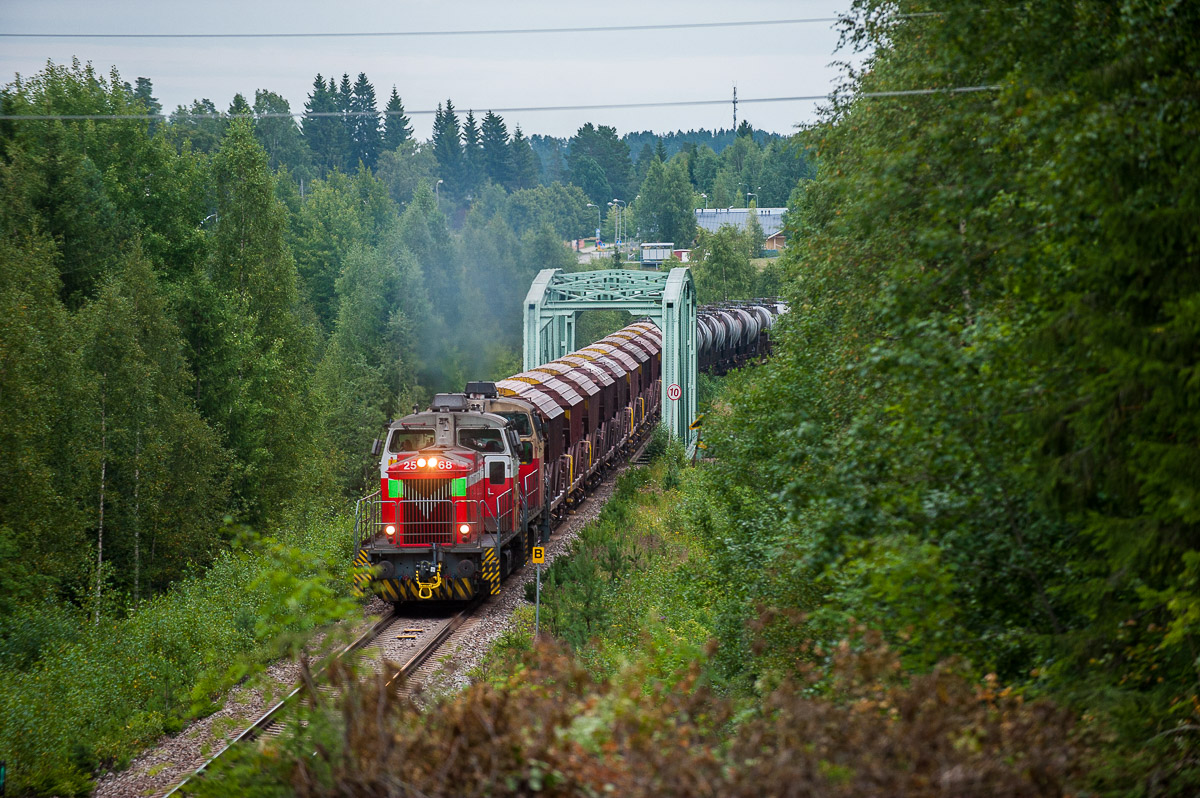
point(556, 299)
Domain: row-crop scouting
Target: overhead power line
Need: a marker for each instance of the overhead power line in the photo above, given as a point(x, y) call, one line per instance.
point(414, 33)
point(522, 109)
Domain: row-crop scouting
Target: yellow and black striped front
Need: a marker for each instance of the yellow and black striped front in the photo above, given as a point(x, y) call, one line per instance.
point(362, 573)
point(407, 590)
point(491, 570)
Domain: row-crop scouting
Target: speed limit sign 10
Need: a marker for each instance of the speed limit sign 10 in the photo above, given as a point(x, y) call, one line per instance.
point(673, 391)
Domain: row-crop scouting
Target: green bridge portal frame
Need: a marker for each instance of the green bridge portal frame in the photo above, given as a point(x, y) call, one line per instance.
point(556, 299)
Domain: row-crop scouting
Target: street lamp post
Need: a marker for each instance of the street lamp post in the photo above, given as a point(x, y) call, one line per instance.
point(437, 195)
point(750, 194)
point(705, 201)
point(620, 218)
point(597, 207)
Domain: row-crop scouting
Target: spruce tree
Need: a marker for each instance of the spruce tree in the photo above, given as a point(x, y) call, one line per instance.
point(324, 133)
point(396, 127)
point(525, 164)
point(447, 147)
point(473, 174)
point(344, 94)
point(497, 154)
point(366, 140)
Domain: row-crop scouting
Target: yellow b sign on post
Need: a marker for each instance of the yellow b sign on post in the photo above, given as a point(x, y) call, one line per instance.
point(539, 559)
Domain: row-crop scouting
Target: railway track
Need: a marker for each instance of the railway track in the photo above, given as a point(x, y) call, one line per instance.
point(423, 632)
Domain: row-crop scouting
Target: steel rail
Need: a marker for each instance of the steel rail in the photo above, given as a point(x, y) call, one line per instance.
point(420, 657)
point(252, 731)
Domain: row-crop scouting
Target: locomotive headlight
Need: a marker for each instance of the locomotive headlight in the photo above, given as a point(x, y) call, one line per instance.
point(390, 529)
point(420, 462)
point(464, 529)
point(433, 462)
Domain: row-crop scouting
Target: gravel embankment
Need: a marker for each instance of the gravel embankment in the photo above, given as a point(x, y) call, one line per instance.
point(160, 768)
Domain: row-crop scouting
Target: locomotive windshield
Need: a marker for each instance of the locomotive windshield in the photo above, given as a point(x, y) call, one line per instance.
point(520, 421)
point(481, 439)
point(410, 440)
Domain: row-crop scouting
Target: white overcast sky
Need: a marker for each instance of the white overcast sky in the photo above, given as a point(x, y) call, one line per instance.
point(476, 72)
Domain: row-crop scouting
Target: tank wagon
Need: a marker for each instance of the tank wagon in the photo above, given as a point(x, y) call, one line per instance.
point(469, 486)
point(732, 333)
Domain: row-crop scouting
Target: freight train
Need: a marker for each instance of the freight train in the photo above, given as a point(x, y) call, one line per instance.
point(471, 485)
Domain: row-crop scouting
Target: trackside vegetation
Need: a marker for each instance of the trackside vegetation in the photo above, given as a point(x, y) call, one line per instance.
point(94, 702)
point(978, 433)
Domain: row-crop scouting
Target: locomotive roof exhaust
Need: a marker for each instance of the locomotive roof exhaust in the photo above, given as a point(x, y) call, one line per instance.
point(482, 390)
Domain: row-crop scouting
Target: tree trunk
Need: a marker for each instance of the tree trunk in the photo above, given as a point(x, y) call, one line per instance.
point(137, 519)
point(103, 474)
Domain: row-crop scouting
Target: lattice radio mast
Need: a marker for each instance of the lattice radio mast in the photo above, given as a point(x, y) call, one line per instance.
point(735, 107)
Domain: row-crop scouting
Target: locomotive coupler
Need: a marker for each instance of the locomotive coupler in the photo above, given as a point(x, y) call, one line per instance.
point(429, 578)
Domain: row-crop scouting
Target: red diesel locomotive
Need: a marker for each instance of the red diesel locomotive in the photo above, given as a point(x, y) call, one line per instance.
point(469, 486)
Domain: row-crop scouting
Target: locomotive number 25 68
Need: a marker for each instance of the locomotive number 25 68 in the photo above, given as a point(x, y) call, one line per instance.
point(417, 465)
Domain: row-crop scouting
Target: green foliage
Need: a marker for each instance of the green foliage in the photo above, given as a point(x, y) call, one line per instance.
point(721, 264)
point(164, 482)
point(366, 133)
point(405, 168)
point(525, 162)
point(338, 214)
point(363, 378)
point(129, 680)
point(599, 163)
point(664, 208)
point(497, 152)
point(197, 128)
point(977, 431)
point(38, 358)
point(593, 325)
point(635, 585)
point(562, 208)
point(250, 349)
point(279, 135)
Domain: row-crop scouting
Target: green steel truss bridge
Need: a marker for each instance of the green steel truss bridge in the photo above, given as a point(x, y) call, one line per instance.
point(556, 299)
